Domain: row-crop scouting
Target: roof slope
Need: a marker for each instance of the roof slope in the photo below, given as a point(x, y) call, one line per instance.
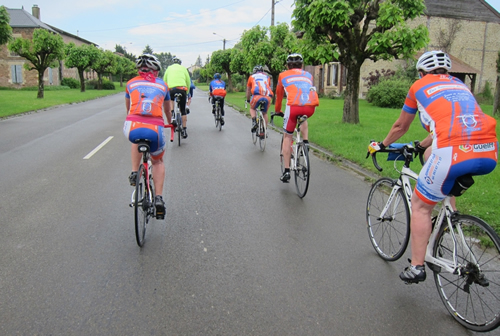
point(19, 18)
point(473, 10)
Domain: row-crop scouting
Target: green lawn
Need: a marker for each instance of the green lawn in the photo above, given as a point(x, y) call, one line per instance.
point(325, 130)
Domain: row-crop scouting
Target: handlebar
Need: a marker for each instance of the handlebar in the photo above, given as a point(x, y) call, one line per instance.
point(171, 131)
point(408, 151)
point(273, 114)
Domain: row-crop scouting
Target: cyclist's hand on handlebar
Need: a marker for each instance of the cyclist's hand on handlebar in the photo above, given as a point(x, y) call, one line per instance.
point(375, 147)
point(419, 149)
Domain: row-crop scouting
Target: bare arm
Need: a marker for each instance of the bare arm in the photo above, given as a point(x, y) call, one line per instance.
point(167, 110)
point(399, 128)
point(127, 104)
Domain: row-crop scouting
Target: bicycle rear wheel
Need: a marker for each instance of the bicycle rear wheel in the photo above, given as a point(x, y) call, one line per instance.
point(141, 206)
point(282, 161)
point(390, 234)
point(302, 170)
point(219, 117)
point(254, 134)
point(178, 118)
point(472, 295)
point(262, 133)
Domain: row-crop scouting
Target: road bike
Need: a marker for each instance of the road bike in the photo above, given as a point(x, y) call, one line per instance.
point(218, 113)
point(177, 116)
point(299, 160)
point(463, 251)
point(143, 196)
point(261, 130)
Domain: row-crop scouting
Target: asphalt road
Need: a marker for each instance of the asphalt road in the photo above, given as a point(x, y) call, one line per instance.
point(238, 254)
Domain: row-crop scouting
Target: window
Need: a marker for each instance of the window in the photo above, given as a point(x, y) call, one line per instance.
point(16, 72)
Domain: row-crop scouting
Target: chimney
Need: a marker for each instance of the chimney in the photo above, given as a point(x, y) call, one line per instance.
point(36, 11)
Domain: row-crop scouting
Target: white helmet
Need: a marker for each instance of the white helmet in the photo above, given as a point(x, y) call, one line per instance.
point(149, 61)
point(432, 60)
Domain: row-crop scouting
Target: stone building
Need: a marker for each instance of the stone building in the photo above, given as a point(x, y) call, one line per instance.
point(12, 72)
point(469, 30)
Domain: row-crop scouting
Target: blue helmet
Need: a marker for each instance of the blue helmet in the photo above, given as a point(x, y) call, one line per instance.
point(217, 76)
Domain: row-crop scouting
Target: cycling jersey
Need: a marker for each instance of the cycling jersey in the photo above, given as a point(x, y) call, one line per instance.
point(260, 84)
point(146, 100)
point(449, 111)
point(177, 76)
point(299, 87)
point(218, 88)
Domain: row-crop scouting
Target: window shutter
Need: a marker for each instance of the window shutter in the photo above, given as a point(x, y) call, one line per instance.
point(16, 73)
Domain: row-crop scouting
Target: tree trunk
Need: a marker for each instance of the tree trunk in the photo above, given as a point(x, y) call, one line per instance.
point(351, 100)
point(40, 84)
point(82, 80)
point(230, 82)
point(496, 100)
point(99, 81)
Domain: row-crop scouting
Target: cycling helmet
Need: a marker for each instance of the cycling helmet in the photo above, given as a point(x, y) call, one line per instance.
point(149, 61)
point(175, 60)
point(433, 60)
point(294, 58)
point(217, 76)
point(258, 68)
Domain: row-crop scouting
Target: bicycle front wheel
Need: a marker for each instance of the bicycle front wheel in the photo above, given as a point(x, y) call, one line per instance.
point(141, 206)
point(178, 117)
point(472, 293)
point(389, 232)
point(219, 118)
point(262, 133)
point(282, 160)
point(302, 170)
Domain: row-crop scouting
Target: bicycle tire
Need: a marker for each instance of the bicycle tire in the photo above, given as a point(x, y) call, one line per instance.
point(472, 295)
point(141, 206)
point(302, 170)
point(219, 118)
point(178, 118)
point(281, 156)
point(389, 235)
point(254, 133)
point(262, 133)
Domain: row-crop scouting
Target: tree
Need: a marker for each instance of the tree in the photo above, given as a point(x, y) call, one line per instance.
point(148, 50)
point(42, 52)
point(496, 101)
point(122, 50)
point(165, 60)
point(5, 28)
point(221, 62)
point(124, 68)
point(198, 62)
point(104, 63)
point(358, 30)
point(82, 58)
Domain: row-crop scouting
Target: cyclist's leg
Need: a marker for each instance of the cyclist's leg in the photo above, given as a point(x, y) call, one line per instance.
point(304, 128)
point(222, 106)
point(134, 131)
point(157, 150)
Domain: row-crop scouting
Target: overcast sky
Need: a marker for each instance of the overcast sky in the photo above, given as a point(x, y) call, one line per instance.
point(184, 28)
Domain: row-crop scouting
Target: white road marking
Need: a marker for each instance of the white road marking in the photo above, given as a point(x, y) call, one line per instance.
point(89, 155)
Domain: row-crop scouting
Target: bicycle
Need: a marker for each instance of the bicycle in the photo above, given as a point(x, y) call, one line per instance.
point(218, 113)
point(261, 130)
point(299, 160)
point(463, 251)
point(177, 116)
point(142, 199)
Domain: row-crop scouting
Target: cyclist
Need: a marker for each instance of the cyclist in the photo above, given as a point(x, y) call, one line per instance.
point(462, 141)
point(190, 96)
point(302, 99)
point(259, 88)
point(147, 99)
point(218, 92)
point(177, 78)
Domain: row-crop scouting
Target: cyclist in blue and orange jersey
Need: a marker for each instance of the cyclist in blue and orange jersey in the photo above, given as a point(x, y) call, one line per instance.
point(177, 78)
point(190, 96)
point(462, 141)
point(218, 92)
point(147, 99)
point(302, 99)
point(259, 88)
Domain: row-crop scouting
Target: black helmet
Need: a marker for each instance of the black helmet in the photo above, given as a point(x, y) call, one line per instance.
point(217, 76)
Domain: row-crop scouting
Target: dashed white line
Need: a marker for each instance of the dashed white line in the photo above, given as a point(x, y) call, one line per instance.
point(89, 155)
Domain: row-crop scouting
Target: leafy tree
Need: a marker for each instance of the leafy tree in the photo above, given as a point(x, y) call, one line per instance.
point(104, 63)
point(239, 63)
point(82, 58)
point(124, 68)
point(357, 30)
point(122, 50)
point(198, 62)
point(165, 60)
point(221, 62)
point(5, 28)
point(148, 50)
point(42, 52)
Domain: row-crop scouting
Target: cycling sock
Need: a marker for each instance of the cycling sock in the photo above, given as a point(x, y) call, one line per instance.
point(287, 170)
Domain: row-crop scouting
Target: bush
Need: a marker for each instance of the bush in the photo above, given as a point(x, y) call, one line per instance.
point(108, 85)
point(389, 92)
point(93, 85)
point(375, 78)
point(485, 97)
point(71, 82)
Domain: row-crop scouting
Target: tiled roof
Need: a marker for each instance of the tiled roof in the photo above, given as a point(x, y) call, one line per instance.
point(19, 18)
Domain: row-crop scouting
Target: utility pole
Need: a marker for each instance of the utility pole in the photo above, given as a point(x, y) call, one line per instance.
point(224, 44)
point(272, 13)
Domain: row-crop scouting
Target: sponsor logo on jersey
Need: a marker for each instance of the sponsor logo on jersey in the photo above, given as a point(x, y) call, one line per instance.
point(487, 147)
point(465, 148)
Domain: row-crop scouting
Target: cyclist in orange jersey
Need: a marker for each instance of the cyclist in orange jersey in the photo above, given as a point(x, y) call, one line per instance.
point(147, 99)
point(302, 99)
point(259, 89)
point(462, 141)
